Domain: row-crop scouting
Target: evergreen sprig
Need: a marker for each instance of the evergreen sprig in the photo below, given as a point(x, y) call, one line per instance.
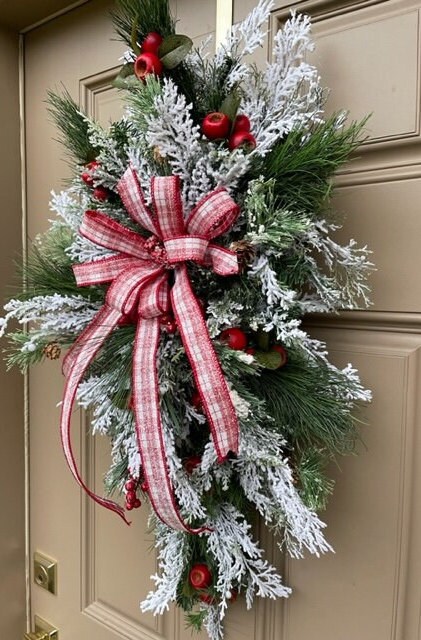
point(303, 164)
point(48, 269)
point(140, 17)
point(306, 402)
point(73, 126)
point(314, 486)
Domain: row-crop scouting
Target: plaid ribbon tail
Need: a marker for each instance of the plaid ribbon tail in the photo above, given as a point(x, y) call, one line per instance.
point(79, 359)
point(149, 428)
point(210, 381)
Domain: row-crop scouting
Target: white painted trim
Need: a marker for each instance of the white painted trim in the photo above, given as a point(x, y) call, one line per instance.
point(224, 15)
point(24, 231)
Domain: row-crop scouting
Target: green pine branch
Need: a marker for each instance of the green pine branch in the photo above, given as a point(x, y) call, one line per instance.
point(134, 19)
point(314, 486)
point(73, 127)
point(48, 269)
point(303, 164)
point(303, 399)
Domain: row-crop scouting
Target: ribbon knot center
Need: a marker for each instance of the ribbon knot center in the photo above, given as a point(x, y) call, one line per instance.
point(155, 248)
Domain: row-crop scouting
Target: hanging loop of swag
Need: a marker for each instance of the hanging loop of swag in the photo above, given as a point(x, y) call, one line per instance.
point(140, 290)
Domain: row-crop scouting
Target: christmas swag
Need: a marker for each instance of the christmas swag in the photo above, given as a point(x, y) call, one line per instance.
point(195, 235)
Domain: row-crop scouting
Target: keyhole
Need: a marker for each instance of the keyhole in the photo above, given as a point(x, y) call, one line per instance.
point(41, 577)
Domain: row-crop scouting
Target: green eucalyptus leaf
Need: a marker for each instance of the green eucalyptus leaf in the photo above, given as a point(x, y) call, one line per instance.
point(230, 105)
point(269, 359)
point(263, 340)
point(129, 82)
point(174, 49)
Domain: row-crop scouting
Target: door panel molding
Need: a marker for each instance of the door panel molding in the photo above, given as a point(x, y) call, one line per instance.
point(360, 30)
point(380, 528)
point(92, 605)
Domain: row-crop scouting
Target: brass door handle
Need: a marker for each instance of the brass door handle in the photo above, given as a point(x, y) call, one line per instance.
point(43, 631)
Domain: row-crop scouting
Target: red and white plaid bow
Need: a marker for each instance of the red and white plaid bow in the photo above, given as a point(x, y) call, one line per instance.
point(140, 289)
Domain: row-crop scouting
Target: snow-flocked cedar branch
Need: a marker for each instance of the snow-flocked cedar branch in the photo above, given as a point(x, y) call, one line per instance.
point(294, 420)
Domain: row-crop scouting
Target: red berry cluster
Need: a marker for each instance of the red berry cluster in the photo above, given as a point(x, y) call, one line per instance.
point(200, 578)
point(100, 193)
point(132, 501)
point(168, 323)
point(148, 61)
point(131, 486)
point(217, 126)
point(236, 338)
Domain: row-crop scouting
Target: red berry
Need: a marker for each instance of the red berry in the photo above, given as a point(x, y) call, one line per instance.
point(130, 497)
point(146, 64)
point(131, 485)
point(283, 352)
point(171, 327)
point(129, 506)
point(87, 176)
point(144, 486)
point(191, 464)
point(200, 576)
point(101, 193)
point(242, 139)
point(234, 595)
point(137, 504)
point(251, 351)
point(241, 123)
point(165, 318)
point(152, 42)
point(235, 338)
point(196, 401)
point(207, 598)
point(216, 125)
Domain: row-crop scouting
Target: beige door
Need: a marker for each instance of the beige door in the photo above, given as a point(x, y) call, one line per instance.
point(368, 53)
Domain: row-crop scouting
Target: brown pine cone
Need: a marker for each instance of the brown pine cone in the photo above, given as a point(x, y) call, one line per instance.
point(245, 253)
point(52, 351)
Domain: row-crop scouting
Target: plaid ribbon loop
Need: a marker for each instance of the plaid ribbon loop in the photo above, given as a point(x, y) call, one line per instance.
point(139, 289)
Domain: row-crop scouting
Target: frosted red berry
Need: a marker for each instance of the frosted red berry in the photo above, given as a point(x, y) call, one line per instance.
point(242, 139)
point(200, 576)
point(130, 497)
point(191, 463)
point(87, 176)
point(235, 338)
point(146, 64)
point(144, 486)
point(130, 485)
point(137, 503)
point(101, 193)
point(241, 123)
point(207, 598)
point(170, 327)
point(151, 43)
point(216, 125)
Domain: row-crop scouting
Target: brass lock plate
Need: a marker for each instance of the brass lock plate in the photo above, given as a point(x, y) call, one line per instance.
point(43, 631)
point(43, 627)
point(45, 572)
